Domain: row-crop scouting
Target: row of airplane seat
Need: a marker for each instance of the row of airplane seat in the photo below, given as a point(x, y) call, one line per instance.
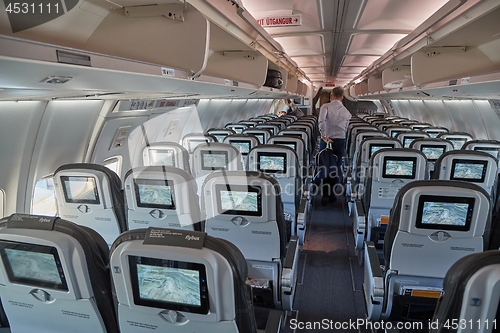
point(262, 206)
point(409, 216)
point(57, 276)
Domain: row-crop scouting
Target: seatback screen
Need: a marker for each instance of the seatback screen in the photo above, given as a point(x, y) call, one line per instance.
point(220, 137)
point(239, 200)
point(154, 193)
point(269, 128)
point(80, 190)
point(33, 265)
point(242, 145)
point(169, 284)
point(237, 129)
point(408, 140)
point(399, 167)
point(433, 134)
point(195, 143)
point(292, 145)
point(446, 213)
point(457, 142)
point(395, 133)
point(469, 170)
point(376, 146)
point(260, 137)
point(271, 162)
point(432, 152)
point(213, 160)
point(162, 157)
point(490, 150)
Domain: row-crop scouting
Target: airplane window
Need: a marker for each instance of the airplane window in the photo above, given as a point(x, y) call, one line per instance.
point(44, 200)
point(113, 163)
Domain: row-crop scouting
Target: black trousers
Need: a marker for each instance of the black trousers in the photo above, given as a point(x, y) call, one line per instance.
point(329, 186)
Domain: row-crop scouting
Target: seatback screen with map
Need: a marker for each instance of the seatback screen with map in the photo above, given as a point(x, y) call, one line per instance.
point(469, 170)
point(395, 133)
point(195, 143)
point(162, 157)
point(271, 162)
point(154, 193)
point(269, 128)
point(220, 137)
point(432, 152)
point(295, 135)
point(33, 265)
point(239, 200)
point(80, 190)
point(399, 167)
point(242, 145)
point(490, 150)
point(213, 160)
point(169, 284)
point(445, 213)
point(457, 142)
point(260, 137)
point(292, 145)
point(374, 147)
point(408, 140)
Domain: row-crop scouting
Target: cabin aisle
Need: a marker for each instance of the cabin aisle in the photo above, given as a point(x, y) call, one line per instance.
point(329, 290)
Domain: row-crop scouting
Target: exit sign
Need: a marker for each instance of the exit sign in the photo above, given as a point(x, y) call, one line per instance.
point(330, 85)
point(280, 21)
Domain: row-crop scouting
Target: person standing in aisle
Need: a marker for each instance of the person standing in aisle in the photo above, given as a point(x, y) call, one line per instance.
point(332, 123)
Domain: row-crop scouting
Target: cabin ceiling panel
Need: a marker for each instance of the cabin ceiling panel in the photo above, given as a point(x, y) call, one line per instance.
point(310, 61)
point(376, 44)
point(353, 60)
point(307, 8)
point(397, 14)
point(302, 45)
point(318, 70)
point(350, 70)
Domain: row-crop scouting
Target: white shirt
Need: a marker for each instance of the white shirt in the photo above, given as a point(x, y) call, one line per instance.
point(333, 120)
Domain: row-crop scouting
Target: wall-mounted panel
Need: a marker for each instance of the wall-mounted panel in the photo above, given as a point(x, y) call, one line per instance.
point(18, 131)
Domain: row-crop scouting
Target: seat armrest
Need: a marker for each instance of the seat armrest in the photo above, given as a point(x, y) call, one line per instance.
point(359, 215)
point(291, 253)
point(373, 286)
point(289, 274)
point(359, 224)
point(274, 321)
point(371, 258)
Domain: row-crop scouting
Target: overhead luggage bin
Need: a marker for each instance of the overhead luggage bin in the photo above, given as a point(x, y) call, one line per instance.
point(375, 84)
point(397, 77)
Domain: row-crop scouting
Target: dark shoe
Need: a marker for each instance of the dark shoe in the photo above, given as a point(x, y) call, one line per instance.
point(324, 201)
point(332, 199)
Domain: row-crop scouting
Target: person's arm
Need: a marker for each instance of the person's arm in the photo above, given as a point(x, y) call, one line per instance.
point(323, 111)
